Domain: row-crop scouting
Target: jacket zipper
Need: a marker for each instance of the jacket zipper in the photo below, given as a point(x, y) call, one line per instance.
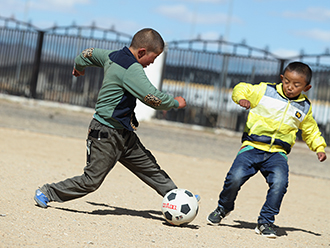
point(282, 120)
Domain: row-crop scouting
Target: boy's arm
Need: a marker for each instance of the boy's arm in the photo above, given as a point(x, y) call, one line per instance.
point(90, 57)
point(248, 95)
point(138, 84)
point(312, 136)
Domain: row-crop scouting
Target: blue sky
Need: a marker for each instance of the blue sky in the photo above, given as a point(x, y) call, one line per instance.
point(286, 27)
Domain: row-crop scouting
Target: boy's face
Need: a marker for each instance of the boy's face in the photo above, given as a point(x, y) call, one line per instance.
point(146, 58)
point(293, 84)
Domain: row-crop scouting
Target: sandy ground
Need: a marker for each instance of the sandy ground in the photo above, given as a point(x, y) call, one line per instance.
point(42, 143)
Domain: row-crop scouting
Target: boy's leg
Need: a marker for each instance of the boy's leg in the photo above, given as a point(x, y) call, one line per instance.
point(241, 170)
point(143, 164)
point(102, 155)
point(276, 172)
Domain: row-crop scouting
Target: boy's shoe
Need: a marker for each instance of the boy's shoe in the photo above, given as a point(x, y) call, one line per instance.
point(41, 199)
point(198, 198)
point(216, 216)
point(266, 230)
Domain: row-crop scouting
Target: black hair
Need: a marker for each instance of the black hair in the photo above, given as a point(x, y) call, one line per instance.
point(149, 39)
point(300, 68)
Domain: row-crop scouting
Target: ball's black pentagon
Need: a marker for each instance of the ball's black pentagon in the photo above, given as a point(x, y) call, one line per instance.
point(168, 215)
point(185, 208)
point(189, 193)
point(171, 196)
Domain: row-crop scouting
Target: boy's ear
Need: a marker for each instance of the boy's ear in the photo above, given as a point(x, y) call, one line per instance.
point(307, 88)
point(142, 52)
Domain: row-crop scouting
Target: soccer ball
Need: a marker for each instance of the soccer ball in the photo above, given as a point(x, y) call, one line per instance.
point(179, 207)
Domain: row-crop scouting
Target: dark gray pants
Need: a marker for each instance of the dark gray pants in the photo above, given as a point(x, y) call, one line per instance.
point(106, 146)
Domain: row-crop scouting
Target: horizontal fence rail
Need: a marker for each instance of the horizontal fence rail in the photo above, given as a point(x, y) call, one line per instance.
point(38, 64)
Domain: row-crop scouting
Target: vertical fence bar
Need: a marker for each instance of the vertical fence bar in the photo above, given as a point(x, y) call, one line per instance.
point(36, 67)
point(282, 61)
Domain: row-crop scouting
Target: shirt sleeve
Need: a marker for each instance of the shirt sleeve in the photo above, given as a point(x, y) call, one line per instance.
point(246, 91)
point(91, 57)
point(311, 133)
point(138, 84)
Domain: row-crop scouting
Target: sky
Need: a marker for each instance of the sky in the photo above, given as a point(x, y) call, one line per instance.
point(285, 27)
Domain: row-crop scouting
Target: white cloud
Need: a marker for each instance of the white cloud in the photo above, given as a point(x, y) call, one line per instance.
point(285, 53)
point(314, 34)
point(312, 13)
point(212, 35)
point(183, 14)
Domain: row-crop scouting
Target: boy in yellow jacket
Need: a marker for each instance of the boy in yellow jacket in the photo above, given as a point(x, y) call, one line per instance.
point(277, 112)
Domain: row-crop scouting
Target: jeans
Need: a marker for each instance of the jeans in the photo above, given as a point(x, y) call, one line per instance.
point(274, 168)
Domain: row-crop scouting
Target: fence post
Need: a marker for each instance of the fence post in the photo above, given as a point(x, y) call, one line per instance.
point(36, 66)
point(282, 66)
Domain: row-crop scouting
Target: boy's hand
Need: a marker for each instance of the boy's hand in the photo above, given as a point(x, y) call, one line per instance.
point(77, 73)
point(321, 156)
point(182, 102)
point(244, 103)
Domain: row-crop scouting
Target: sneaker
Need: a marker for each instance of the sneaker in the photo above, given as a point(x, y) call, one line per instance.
point(41, 199)
point(266, 230)
point(198, 198)
point(216, 216)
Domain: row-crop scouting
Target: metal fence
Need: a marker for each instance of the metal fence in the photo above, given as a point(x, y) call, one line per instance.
point(38, 63)
point(204, 72)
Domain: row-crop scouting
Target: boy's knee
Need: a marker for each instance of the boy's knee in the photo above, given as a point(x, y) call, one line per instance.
point(279, 186)
point(90, 184)
point(234, 180)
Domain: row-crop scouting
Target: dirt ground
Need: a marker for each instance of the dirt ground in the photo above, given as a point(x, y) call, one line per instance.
point(44, 142)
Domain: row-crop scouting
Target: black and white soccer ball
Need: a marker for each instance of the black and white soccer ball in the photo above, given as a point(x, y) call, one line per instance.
point(179, 207)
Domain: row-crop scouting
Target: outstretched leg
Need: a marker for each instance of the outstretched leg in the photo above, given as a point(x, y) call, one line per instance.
point(102, 154)
point(143, 164)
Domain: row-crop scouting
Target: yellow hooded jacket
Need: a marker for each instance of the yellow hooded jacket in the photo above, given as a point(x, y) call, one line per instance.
point(274, 120)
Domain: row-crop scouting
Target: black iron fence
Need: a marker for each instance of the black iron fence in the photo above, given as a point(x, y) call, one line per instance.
point(38, 63)
point(204, 72)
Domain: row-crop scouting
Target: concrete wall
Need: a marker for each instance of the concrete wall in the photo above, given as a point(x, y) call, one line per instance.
point(154, 73)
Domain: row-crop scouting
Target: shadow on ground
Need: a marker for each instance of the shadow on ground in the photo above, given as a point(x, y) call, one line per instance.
point(280, 231)
point(113, 210)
